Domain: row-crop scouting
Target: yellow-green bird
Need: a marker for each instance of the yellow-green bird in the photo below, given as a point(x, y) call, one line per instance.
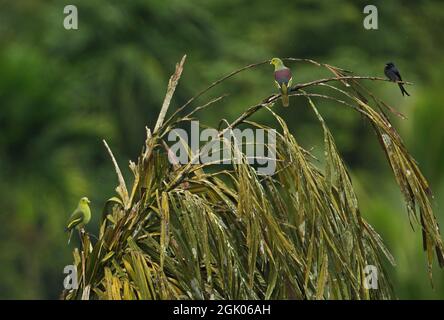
point(282, 77)
point(80, 217)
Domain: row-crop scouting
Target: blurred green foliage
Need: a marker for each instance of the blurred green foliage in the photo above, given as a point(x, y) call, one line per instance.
point(62, 91)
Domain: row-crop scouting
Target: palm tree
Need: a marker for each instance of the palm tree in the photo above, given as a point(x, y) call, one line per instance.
point(205, 231)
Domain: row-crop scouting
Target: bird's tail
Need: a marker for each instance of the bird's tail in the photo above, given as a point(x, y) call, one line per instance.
point(403, 91)
point(285, 99)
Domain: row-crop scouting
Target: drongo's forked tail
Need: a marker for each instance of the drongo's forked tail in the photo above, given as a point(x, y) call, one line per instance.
point(403, 91)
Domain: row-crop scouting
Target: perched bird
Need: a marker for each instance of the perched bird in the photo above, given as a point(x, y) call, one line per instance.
point(393, 74)
point(80, 217)
point(282, 76)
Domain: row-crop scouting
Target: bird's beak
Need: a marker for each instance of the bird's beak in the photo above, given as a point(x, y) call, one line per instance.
point(89, 201)
point(271, 62)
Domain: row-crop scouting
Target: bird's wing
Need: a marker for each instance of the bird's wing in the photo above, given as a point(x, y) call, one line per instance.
point(290, 82)
point(277, 84)
point(398, 75)
point(391, 74)
point(75, 219)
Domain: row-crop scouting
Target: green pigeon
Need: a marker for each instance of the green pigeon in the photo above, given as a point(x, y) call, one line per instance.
point(80, 217)
point(282, 76)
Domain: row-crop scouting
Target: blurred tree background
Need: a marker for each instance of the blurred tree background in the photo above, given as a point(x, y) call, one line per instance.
point(62, 91)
